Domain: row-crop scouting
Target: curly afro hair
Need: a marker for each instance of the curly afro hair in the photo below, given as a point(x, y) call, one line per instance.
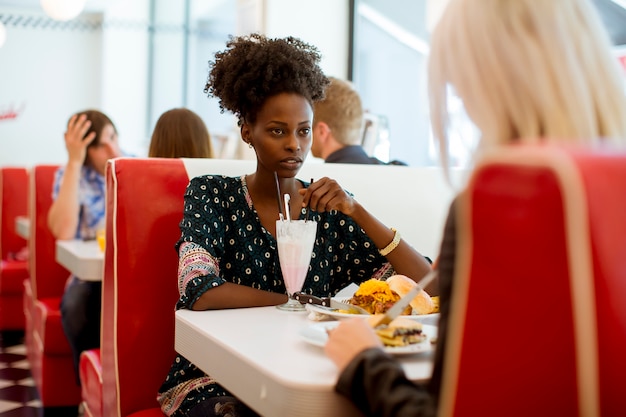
point(254, 68)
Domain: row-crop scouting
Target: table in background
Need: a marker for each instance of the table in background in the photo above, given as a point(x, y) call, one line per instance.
point(82, 258)
point(259, 356)
point(22, 226)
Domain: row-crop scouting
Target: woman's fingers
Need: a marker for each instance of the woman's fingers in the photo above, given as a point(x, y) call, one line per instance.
point(325, 195)
point(75, 140)
point(349, 339)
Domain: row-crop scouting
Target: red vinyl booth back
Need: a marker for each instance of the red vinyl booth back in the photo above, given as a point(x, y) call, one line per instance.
point(47, 348)
point(13, 272)
point(14, 197)
point(144, 207)
point(538, 325)
point(48, 278)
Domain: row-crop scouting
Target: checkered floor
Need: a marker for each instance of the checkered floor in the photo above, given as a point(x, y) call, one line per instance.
point(18, 395)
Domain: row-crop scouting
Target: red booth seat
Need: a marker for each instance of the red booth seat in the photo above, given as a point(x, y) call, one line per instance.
point(13, 270)
point(47, 348)
point(144, 207)
point(91, 382)
point(538, 324)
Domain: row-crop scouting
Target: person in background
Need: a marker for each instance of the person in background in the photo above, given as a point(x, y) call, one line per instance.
point(527, 72)
point(338, 122)
point(227, 250)
point(77, 212)
point(180, 133)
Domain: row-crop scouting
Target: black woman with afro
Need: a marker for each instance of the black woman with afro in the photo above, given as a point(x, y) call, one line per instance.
point(227, 248)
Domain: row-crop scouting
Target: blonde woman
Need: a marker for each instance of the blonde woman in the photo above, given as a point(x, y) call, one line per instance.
point(527, 71)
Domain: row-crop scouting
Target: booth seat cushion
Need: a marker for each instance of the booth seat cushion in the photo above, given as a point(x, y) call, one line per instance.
point(137, 346)
point(47, 325)
point(49, 353)
point(27, 305)
point(90, 369)
point(552, 218)
point(12, 276)
point(150, 412)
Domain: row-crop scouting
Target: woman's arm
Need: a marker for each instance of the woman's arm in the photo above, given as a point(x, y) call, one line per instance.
point(204, 246)
point(229, 295)
point(326, 194)
point(64, 211)
point(377, 385)
point(371, 379)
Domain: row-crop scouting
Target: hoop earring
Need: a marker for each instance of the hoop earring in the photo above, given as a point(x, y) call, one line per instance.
point(250, 145)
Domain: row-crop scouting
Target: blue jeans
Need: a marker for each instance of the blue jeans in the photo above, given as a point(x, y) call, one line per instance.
point(80, 317)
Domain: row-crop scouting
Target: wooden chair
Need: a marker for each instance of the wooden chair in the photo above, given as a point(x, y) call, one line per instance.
point(13, 268)
point(538, 325)
point(47, 348)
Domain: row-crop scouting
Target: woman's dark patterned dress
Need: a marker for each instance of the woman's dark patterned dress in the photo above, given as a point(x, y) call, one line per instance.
point(222, 240)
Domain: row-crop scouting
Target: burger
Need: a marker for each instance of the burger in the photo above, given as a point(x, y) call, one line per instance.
point(401, 285)
point(377, 296)
point(400, 332)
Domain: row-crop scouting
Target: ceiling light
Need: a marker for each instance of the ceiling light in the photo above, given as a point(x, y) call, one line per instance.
point(63, 9)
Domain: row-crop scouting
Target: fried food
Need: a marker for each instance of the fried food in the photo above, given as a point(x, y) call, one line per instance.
point(378, 296)
point(375, 296)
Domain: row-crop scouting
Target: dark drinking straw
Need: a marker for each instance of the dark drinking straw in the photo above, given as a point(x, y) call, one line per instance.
point(308, 208)
point(280, 203)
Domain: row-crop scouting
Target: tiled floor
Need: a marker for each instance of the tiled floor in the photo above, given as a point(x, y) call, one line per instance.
point(18, 395)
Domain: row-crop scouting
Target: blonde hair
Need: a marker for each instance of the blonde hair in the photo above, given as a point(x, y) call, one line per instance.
point(527, 71)
point(180, 133)
point(342, 111)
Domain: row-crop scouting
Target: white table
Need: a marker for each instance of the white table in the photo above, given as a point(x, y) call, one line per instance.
point(22, 226)
point(82, 258)
point(259, 356)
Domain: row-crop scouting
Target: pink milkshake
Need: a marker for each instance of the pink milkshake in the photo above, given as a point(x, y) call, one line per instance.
point(295, 241)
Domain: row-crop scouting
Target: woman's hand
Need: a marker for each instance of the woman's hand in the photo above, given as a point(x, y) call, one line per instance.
point(325, 195)
point(75, 140)
point(348, 339)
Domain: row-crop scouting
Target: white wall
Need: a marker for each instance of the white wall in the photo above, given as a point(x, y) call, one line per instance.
point(47, 74)
point(323, 23)
point(124, 68)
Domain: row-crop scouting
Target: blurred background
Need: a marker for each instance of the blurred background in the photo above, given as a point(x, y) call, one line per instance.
point(135, 59)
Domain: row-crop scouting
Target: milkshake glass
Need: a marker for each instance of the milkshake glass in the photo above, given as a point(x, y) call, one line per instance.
point(295, 239)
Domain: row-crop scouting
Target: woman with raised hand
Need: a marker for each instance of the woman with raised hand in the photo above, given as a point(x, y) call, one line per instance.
point(77, 212)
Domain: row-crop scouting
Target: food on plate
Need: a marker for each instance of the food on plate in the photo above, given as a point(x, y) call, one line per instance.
point(400, 332)
point(435, 303)
point(378, 296)
point(375, 296)
point(422, 303)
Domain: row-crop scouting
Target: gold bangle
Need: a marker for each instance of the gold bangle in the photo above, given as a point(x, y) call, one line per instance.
point(391, 246)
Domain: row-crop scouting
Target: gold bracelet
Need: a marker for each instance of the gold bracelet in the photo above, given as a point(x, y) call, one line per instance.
point(391, 246)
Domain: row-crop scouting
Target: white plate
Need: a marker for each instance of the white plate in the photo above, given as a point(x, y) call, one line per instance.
point(315, 334)
point(432, 319)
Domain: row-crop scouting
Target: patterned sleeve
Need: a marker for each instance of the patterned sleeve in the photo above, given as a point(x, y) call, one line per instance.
point(56, 185)
point(201, 244)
